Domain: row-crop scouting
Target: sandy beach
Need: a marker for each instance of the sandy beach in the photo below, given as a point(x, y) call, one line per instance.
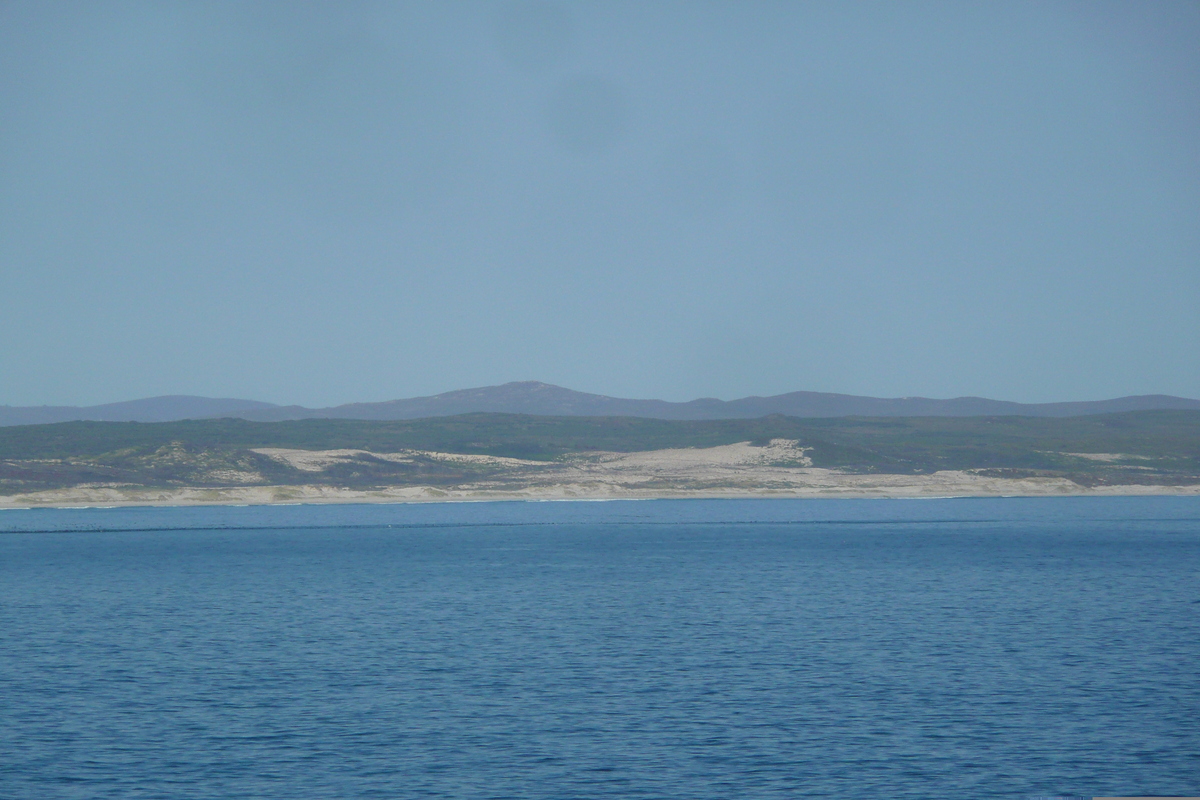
point(780, 470)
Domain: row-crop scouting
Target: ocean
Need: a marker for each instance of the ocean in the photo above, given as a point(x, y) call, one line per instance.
point(699, 649)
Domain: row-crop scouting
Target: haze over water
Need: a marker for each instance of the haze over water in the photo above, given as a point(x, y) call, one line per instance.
point(706, 649)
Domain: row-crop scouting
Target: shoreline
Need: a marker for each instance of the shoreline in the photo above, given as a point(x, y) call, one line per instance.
point(780, 468)
point(922, 487)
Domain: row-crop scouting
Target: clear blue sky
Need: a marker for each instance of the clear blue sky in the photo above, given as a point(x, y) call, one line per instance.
point(328, 202)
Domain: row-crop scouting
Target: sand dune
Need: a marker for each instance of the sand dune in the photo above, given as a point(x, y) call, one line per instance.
point(779, 469)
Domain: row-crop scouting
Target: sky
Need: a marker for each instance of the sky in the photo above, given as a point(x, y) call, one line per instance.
point(320, 203)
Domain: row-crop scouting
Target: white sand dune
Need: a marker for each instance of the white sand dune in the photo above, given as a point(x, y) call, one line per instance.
point(779, 469)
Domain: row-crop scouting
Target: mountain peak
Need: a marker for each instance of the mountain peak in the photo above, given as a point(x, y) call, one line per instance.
point(547, 399)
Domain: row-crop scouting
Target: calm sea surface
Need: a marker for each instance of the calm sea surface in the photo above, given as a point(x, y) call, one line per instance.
point(656, 649)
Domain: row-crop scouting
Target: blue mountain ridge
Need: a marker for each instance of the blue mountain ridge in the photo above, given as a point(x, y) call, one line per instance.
point(533, 397)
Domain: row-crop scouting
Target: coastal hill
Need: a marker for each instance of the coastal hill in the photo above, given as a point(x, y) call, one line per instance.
point(543, 399)
point(509, 456)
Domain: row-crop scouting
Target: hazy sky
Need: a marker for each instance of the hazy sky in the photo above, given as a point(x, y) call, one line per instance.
point(332, 202)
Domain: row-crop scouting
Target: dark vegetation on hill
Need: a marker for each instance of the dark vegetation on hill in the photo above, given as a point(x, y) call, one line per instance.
point(1155, 447)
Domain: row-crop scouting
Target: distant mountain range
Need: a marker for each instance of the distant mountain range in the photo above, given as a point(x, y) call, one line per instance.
point(152, 409)
point(532, 397)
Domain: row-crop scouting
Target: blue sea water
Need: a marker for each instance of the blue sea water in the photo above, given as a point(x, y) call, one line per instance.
point(656, 649)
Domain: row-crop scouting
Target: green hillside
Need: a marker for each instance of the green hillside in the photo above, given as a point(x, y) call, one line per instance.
point(1134, 447)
